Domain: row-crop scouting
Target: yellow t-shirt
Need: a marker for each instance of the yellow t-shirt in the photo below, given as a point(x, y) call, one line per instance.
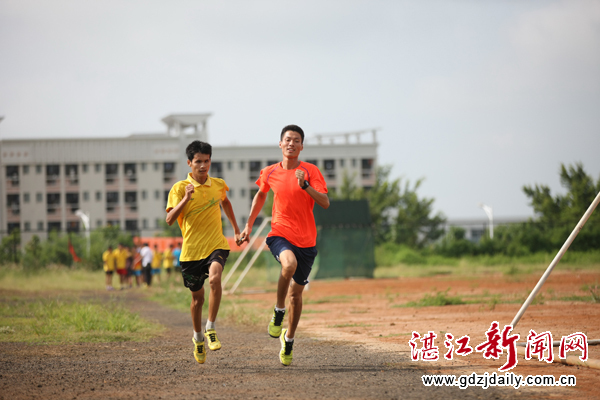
point(200, 219)
point(120, 258)
point(109, 261)
point(168, 259)
point(156, 259)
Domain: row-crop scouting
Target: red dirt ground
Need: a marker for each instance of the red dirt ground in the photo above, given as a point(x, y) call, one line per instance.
point(366, 311)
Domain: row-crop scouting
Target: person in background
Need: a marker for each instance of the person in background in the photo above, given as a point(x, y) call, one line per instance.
point(137, 266)
point(167, 262)
point(147, 256)
point(176, 255)
point(121, 254)
point(129, 266)
point(109, 267)
point(156, 263)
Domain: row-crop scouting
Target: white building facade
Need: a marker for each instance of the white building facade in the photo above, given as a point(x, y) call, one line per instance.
point(125, 181)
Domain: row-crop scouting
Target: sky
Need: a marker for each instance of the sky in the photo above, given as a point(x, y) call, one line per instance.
point(477, 98)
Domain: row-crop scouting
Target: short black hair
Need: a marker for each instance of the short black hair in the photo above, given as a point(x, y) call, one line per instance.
point(293, 128)
point(198, 147)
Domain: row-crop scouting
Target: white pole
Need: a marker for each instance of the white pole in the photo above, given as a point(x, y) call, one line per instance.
point(556, 260)
point(490, 214)
point(245, 251)
point(85, 219)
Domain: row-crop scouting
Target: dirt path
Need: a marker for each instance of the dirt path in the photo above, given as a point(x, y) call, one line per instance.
point(246, 367)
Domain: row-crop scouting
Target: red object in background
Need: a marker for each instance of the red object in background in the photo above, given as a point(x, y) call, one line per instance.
point(72, 251)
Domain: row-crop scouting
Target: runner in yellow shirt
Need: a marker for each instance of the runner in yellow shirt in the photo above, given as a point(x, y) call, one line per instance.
point(168, 261)
point(109, 267)
point(121, 254)
point(156, 264)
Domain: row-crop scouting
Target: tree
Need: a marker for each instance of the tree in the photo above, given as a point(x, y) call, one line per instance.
point(415, 226)
point(397, 215)
point(557, 216)
point(9, 248)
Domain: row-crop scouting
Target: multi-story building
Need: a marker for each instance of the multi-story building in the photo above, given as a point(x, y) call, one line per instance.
point(125, 181)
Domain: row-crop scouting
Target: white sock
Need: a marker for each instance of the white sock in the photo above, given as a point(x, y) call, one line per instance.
point(210, 324)
point(279, 309)
point(198, 336)
point(287, 339)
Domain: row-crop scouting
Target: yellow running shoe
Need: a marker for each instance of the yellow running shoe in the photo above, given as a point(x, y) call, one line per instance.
point(275, 324)
point(211, 338)
point(285, 355)
point(199, 352)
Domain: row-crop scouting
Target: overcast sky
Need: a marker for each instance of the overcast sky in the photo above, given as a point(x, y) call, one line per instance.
point(477, 97)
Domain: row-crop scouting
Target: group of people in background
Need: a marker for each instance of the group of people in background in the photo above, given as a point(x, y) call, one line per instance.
point(141, 265)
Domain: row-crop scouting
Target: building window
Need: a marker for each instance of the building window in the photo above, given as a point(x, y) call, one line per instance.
point(25, 169)
point(243, 194)
point(111, 172)
point(329, 167)
point(52, 203)
point(157, 194)
point(86, 196)
point(157, 223)
point(13, 203)
point(168, 171)
point(38, 169)
point(216, 169)
point(367, 168)
point(342, 163)
point(40, 226)
point(254, 170)
point(98, 223)
point(143, 166)
point(72, 200)
point(242, 165)
point(230, 195)
point(98, 195)
point(354, 163)
point(27, 226)
point(25, 197)
point(131, 202)
point(72, 226)
point(72, 173)
point(229, 165)
point(145, 223)
point(12, 175)
point(314, 162)
point(130, 172)
point(52, 174)
point(131, 225)
point(272, 162)
point(39, 197)
point(84, 168)
point(112, 200)
point(144, 195)
point(98, 168)
point(156, 166)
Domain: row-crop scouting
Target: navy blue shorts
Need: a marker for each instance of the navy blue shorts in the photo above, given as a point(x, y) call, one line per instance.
point(305, 256)
point(194, 273)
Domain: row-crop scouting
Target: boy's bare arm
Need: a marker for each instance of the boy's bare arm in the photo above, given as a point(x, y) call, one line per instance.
point(257, 204)
point(228, 210)
point(174, 212)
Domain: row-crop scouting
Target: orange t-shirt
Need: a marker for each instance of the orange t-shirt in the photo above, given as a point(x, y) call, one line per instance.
point(293, 217)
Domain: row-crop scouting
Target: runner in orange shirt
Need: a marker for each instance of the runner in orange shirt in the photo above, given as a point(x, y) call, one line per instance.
point(297, 186)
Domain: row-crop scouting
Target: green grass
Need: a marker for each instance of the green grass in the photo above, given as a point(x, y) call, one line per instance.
point(60, 320)
point(55, 277)
point(437, 299)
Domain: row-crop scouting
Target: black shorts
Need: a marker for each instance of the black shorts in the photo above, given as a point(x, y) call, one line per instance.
point(108, 272)
point(305, 257)
point(194, 273)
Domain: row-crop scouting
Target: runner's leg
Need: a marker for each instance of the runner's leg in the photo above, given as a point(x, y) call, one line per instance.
point(196, 309)
point(295, 308)
point(288, 268)
point(214, 298)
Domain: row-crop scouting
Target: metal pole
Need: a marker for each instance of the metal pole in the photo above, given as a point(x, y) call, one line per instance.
point(556, 260)
point(245, 251)
point(245, 271)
